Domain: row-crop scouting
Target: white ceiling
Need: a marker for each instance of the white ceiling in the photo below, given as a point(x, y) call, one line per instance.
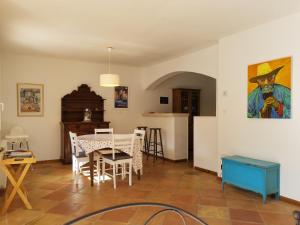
point(143, 32)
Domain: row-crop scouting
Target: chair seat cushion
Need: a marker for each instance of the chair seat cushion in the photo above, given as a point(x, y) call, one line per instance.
point(105, 151)
point(101, 149)
point(118, 156)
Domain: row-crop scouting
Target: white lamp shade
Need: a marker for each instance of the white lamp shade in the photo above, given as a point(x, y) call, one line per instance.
point(109, 80)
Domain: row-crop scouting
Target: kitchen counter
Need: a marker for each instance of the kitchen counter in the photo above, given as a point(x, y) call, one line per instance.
point(154, 114)
point(174, 128)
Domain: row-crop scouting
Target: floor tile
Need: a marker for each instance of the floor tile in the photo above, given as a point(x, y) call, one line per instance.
point(245, 215)
point(213, 211)
point(122, 215)
point(277, 219)
point(65, 208)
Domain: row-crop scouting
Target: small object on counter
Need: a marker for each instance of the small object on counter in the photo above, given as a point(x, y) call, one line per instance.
point(87, 115)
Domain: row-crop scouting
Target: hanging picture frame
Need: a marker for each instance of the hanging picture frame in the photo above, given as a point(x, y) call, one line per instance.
point(269, 89)
point(121, 97)
point(30, 99)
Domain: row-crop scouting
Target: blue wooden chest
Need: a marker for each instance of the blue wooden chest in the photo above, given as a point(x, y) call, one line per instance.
point(255, 175)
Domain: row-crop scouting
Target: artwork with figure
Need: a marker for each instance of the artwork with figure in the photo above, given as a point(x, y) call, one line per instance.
point(269, 89)
point(121, 97)
point(30, 99)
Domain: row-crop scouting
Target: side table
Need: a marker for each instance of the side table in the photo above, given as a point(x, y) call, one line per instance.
point(16, 177)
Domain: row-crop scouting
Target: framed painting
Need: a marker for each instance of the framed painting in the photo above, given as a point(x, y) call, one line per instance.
point(121, 97)
point(30, 99)
point(269, 89)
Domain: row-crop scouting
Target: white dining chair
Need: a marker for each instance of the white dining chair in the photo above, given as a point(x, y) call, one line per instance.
point(79, 156)
point(124, 144)
point(109, 132)
point(140, 134)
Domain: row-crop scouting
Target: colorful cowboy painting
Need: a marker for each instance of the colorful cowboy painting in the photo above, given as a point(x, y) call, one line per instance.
point(269, 92)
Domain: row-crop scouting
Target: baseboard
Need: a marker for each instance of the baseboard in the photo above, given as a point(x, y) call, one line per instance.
point(48, 161)
point(206, 171)
point(176, 161)
point(289, 200)
point(171, 160)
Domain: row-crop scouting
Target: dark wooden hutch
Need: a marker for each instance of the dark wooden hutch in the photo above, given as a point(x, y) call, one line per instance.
point(187, 101)
point(72, 111)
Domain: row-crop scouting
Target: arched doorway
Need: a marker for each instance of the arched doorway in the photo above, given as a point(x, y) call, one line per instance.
point(167, 84)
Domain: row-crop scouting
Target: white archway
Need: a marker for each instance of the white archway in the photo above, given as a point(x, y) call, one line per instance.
point(204, 61)
point(167, 76)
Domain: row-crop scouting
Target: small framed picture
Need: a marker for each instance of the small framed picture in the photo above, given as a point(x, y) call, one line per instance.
point(164, 100)
point(30, 99)
point(121, 97)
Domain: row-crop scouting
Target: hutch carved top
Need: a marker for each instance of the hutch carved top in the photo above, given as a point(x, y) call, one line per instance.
point(73, 105)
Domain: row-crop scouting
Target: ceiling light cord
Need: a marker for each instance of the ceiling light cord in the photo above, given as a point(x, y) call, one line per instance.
point(109, 56)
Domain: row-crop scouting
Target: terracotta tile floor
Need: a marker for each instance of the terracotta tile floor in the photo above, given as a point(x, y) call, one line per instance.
point(56, 198)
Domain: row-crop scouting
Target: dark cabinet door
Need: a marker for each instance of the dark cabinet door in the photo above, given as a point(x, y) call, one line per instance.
point(187, 101)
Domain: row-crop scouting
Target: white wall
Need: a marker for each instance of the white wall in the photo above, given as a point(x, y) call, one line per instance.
point(205, 142)
point(1, 100)
point(204, 62)
point(269, 139)
point(60, 77)
point(1, 59)
point(2, 175)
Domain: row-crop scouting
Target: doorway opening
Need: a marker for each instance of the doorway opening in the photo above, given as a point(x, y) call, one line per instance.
point(188, 92)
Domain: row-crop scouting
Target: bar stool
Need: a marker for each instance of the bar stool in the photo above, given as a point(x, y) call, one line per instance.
point(154, 143)
point(146, 143)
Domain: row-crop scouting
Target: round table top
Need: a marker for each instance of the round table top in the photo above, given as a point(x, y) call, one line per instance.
point(98, 137)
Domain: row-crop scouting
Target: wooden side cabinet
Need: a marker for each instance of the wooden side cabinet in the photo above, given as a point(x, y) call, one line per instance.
point(262, 177)
point(73, 106)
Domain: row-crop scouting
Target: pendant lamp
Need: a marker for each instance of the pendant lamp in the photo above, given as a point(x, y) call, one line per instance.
point(109, 79)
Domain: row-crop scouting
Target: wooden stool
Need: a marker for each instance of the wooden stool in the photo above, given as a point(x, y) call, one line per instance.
point(146, 143)
point(154, 143)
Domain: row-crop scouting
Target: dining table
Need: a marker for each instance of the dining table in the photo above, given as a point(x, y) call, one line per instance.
point(92, 142)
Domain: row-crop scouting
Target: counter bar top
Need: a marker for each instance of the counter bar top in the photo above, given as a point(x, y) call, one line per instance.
point(165, 114)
